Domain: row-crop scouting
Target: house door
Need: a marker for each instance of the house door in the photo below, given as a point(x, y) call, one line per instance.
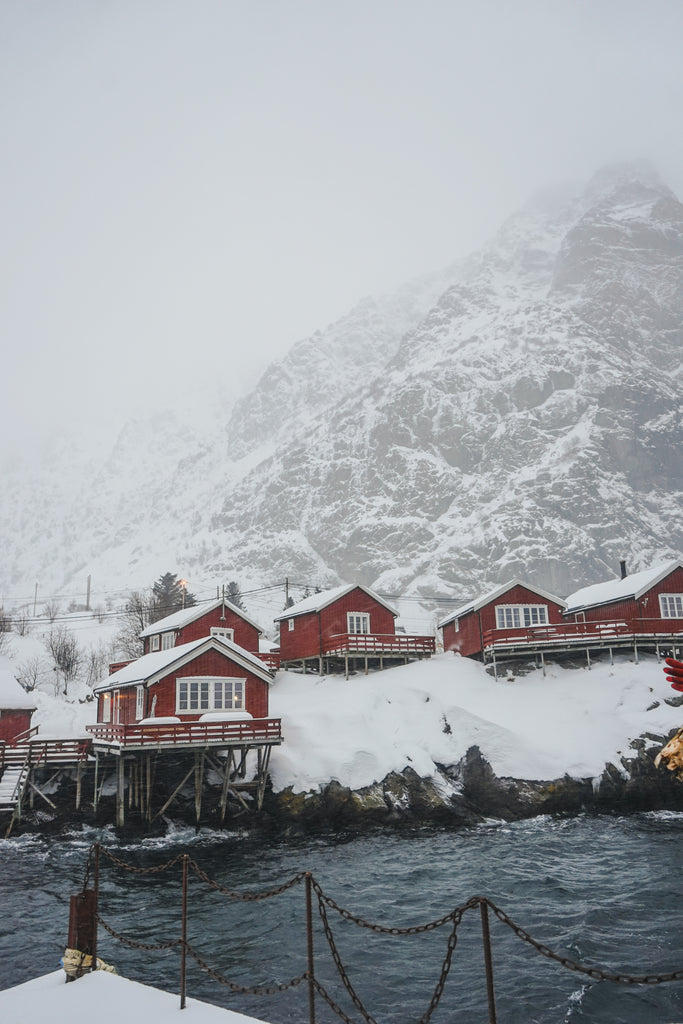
point(116, 710)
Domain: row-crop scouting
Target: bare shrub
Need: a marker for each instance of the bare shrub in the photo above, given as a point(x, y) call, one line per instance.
point(63, 646)
point(51, 609)
point(21, 624)
point(96, 663)
point(138, 612)
point(32, 673)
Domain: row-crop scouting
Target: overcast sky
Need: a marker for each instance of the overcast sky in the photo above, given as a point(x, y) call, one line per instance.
point(191, 186)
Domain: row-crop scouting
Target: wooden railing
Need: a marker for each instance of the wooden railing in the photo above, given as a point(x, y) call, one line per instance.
point(187, 733)
point(271, 660)
point(23, 737)
point(37, 752)
point(379, 643)
point(584, 632)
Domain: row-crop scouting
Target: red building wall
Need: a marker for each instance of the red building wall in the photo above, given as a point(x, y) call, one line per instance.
point(211, 663)
point(305, 640)
point(246, 635)
point(644, 612)
point(13, 722)
point(468, 640)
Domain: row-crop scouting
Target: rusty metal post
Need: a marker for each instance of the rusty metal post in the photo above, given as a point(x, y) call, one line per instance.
point(309, 949)
point(183, 944)
point(486, 937)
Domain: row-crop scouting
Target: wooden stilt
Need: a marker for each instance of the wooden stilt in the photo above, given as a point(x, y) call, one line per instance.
point(543, 664)
point(264, 761)
point(588, 657)
point(95, 794)
point(226, 783)
point(198, 783)
point(79, 780)
point(120, 803)
point(148, 789)
point(366, 664)
point(346, 666)
point(174, 794)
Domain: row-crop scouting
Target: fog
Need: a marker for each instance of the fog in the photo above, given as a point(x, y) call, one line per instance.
point(190, 188)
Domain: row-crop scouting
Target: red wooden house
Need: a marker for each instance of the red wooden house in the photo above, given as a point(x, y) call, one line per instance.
point(16, 708)
point(218, 618)
point(207, 681)
point(649, 604)
point(513, 615)
point(346, 624)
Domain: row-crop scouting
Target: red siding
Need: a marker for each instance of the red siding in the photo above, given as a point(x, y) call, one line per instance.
point(212, 663)
point(304, 641)
point(246, 635)
point(468, 640)
point(644, 613)
point(13, 722)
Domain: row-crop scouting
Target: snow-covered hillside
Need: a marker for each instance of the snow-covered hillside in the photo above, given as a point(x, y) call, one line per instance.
point(516, 414)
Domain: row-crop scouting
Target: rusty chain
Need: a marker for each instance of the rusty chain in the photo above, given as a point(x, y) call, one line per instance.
point(324, 901)
point(597, 973)
point(150, 947)
point(256, 990)
point(245, 897)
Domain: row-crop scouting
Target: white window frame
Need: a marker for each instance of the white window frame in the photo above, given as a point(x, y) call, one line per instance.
point(154, 642)
point(106, 707)
point(358, 619)
point(290, 625)
point(224, 632)
point(167, 640)
point(199, 694)
point(521, 616)
point(139, 703)
point(671, 606)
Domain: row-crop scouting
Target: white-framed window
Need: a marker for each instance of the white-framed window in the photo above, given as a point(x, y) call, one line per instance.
point(209, 693)
point(167, 641)
point(221, 631)
point(456, 625)
point(671, 606)
point(154, 642)
point(139, 702)
point(357, 622)
point(290, 624)
point(106, 707)
point(515, 616)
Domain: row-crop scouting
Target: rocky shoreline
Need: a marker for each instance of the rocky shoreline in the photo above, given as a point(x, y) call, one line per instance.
point(462, 794)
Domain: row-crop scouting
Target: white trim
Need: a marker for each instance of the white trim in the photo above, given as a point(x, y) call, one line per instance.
point(671, 606)
point(106, 707)
point(224, 632)
point(491, 595)
point(167, 641)
point(154, 642)
point(197, 694)
point(139, 703)
point(521, 616)
point(358, 622)
point(290, 625)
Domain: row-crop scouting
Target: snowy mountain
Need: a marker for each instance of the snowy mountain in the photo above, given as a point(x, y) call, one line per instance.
point(516, 414)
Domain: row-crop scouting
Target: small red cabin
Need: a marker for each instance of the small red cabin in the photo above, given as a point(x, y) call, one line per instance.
point(219, 618)
point(204, 680)
point(510, 614)
point(16, 708)
point(649, 603)
point(348, 622)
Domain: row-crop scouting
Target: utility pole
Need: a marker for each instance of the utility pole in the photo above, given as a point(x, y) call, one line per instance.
point(87, 596)
point(35, 601)
point(286, 591)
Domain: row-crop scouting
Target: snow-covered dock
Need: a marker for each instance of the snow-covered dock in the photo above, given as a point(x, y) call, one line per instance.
point(106, 998)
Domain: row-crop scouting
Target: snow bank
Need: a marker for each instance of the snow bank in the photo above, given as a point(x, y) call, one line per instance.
point(531, 727)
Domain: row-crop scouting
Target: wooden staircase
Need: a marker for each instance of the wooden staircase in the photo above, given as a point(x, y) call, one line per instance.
point(13, 783)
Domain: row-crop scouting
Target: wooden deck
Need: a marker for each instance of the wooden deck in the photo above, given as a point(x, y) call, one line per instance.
point(398, 645)
point(185, 735)
point(635, 634)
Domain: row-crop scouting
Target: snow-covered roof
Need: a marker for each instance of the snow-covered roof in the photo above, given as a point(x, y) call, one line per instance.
point(151, 667)
point(491, 595)
point(633, 586)
point(317, 602)
point(13, 697)
point(186, 615)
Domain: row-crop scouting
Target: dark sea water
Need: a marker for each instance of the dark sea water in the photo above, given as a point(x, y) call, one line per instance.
point(604, 891)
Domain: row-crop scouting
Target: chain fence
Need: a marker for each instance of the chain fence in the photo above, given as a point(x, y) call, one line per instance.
point(325, 905)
